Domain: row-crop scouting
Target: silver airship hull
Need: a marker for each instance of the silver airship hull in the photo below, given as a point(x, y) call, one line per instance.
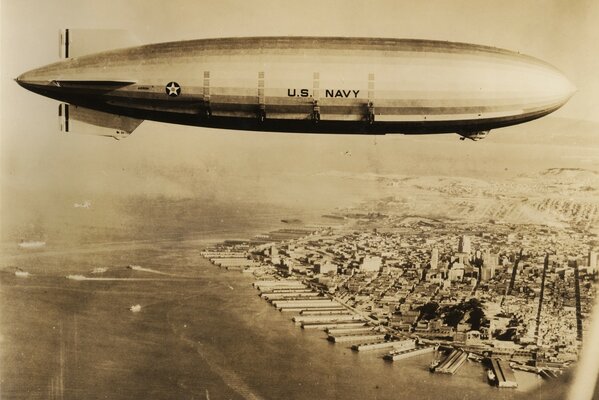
point(311, 85)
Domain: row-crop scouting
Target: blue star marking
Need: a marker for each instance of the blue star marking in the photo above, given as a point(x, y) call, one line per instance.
point(173, 89)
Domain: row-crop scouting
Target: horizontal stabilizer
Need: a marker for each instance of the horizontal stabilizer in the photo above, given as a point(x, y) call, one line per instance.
point(79, 42)
point(77, 119)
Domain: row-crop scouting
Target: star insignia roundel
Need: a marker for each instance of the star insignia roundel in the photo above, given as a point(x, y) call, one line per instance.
point(173, 89)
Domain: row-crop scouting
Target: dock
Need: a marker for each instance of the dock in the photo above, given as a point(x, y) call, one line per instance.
point(357, 338)
point(322, 319)
point(503, 373)
point(325, 312)
point(265, 286)
point(302, 309)
point(452, 362)
point(348, 331)
point(393, 345)
point(397, 355)
point(321, 303)
point(334, 325)
point(289, 295)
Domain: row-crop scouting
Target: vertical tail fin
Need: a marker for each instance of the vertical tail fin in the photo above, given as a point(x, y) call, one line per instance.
point(79, 42)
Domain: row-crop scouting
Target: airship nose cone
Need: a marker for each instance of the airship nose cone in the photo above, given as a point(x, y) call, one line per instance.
point(21, 79)
point(562, 86)
point(24, 82)
point(27, 80)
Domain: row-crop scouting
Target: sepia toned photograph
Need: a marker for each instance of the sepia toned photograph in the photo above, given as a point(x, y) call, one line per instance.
point(299, 200)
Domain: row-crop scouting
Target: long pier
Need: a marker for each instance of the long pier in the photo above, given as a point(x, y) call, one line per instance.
point(503, 373)
point(452, 362)
point(348, 331)
point(319, 319)
point(334, 325)
point(394, 345)
point(357, 338)
point(397, 355)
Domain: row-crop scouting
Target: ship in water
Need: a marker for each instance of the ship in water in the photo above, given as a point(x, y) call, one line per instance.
point(31, 244)
point(135, 308)
point(491, 377)
point(99, 270)
point(291, 221)
point(21, 274)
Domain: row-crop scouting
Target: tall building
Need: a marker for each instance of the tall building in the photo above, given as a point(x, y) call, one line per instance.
point(489, 265)
point(434, 258)
point(326, 267)
point(464, 245)
point(371, 264)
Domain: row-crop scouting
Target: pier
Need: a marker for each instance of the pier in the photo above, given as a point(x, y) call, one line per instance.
point(304, 303)
point(452, 362)
point(397, 355)
point(357, 338)
point(301, 309)
point(325, 312)
point(347, 331)
point(289, 296)
point(503, 373)
point(265, 286)
point(319, 319)
point(334, 325)
point(394, 345)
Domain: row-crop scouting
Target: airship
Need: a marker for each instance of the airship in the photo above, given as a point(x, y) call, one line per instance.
point(335, 85)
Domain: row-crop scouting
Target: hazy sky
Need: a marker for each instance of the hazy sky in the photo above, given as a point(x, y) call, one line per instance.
point(159, 158)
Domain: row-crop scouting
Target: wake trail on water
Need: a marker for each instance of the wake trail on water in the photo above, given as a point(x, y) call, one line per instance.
point(229, 377)
point(155, 271)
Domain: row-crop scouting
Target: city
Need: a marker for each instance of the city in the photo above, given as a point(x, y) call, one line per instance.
point(490, 292)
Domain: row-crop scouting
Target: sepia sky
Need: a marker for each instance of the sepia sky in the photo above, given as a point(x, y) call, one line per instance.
point(37, 160)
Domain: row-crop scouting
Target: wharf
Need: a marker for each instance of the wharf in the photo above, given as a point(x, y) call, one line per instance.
point(288, 290)
point(264, 286)
point(319, 319)
point(325, 312)
point(503, 373)
point(407, 353)
point(452, 362)
point(395, 345)
point(334, 325)
point(321, 303)
point(299, 310)
point(288, 295)
point(357, 338)
point(347, 331)
point(293, 296)
point(223, 254)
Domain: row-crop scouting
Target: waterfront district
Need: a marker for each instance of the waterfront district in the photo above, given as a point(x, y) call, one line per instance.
point(508, 296)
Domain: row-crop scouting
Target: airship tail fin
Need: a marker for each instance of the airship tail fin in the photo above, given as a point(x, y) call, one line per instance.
point(79, 42)
point(76, 119)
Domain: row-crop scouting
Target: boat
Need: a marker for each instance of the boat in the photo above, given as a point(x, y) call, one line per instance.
point(491, 376)
point(21, 274)
point(475, 357)
point(99, 270)
point(33, 244)
point(135, 308)
point(434, 365)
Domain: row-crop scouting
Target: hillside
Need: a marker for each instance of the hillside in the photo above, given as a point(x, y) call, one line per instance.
point(556, 197)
